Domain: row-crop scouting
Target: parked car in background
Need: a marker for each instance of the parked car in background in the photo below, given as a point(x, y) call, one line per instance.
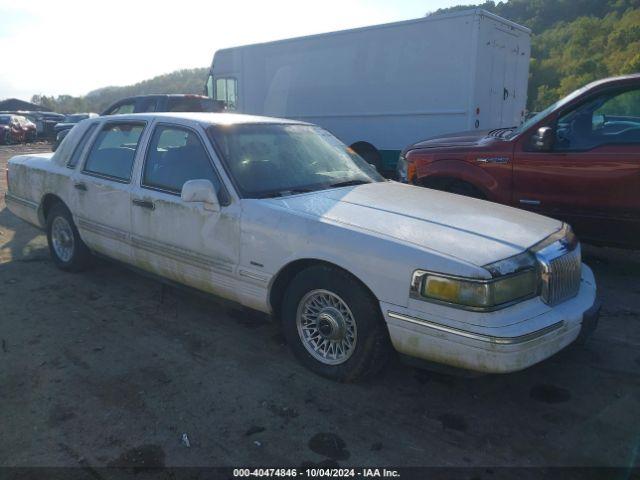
point(16, 129)
point(164, 103)
point(381, 87)
point(284, 218)
point(61, 129)
point(31, 133)
point(174, 102)
point(578, 161)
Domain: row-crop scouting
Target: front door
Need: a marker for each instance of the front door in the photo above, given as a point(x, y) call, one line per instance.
point(180, 240)
point(591, 178)
point(102, 189)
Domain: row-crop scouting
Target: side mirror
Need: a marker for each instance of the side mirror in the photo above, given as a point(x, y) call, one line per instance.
point(543, 139)
point(200, 191)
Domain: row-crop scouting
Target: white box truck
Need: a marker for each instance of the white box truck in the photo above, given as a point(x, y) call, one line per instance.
point(383, 87)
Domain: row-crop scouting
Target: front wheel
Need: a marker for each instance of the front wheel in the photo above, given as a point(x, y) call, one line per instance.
point(67, 249)
point(333, 325)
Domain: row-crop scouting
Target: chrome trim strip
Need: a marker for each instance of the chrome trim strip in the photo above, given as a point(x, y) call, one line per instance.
point(253, 276)
point(526, 201)
point(477, 336)
point(163, 249)
point(501, 160)
point(21, 201)
point(179, 254)
point(99, 229)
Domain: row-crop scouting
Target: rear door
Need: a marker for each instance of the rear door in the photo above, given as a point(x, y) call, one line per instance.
point(103, 189)
point(507, 100)
point(591, 178)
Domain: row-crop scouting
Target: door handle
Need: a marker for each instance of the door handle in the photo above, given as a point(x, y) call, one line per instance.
point(526, 201)
point(80, 186)
point(143, 203)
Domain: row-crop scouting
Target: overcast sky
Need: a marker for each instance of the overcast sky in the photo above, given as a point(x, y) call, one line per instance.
point(72, 47)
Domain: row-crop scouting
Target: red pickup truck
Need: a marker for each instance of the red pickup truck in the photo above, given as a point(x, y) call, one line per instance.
point(578, 160)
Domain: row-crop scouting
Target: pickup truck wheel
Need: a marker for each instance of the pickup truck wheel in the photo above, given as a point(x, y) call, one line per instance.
point(67, 249)
point(333, 325)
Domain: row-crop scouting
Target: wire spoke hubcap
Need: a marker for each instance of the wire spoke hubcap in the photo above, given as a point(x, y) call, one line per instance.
point(326, 327)
point(62, 238)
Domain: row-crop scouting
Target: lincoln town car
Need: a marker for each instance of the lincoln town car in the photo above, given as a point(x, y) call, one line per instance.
point(282, 217)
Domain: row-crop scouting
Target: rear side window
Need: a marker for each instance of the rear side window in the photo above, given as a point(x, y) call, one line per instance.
point(114, 150)
point(75, 156)
point(176, 155)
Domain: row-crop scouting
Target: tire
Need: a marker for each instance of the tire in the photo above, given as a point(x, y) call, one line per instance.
point(67, 249)
point(351, 336)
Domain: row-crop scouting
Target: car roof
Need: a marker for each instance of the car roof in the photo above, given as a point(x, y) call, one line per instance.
point(207, 118)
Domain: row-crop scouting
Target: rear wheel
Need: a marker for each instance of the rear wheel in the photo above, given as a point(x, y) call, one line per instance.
point(67, 249)
point(333, 325)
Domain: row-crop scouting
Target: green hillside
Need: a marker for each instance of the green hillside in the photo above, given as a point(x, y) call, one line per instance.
point(574, 42)
point(180, 81)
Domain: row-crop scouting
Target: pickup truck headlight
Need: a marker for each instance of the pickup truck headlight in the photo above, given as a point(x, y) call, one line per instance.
point(475, 294)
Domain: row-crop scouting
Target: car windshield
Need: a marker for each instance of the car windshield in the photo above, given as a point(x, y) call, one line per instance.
point(270, 160)
point(74, 118)
point(540, 115)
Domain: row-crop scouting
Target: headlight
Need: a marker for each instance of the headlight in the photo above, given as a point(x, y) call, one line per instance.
point(475, 294)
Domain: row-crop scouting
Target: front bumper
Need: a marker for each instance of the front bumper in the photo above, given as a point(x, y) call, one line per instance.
point(522, 343)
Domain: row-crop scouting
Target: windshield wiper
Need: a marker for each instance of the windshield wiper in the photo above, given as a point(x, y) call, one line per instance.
point(348, 183)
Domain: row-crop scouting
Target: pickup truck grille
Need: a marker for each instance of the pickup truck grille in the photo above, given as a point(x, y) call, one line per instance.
point(561, 276)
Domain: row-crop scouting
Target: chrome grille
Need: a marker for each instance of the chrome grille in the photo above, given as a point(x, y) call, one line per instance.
point(561, 273)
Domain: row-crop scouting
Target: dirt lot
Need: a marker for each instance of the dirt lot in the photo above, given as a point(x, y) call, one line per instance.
point(107, 368)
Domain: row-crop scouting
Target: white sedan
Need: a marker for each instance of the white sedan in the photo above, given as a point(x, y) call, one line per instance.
point(281, 217)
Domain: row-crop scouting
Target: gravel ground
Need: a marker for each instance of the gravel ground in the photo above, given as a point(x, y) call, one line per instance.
point(108, 367)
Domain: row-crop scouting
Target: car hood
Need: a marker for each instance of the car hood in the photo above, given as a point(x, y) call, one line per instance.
point(475, 231)
point(471, 138)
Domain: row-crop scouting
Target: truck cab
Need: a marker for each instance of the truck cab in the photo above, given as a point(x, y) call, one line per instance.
point(578, 161)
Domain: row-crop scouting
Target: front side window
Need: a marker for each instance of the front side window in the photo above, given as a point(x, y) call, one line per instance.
point(176, 155)
point(277, 159)
point(612, 118)
point(146, 105)
point(121, 109)
point(227, 92)
point(75, 156)
point(114, 150)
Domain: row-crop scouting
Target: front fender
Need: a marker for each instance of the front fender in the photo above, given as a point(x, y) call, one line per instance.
point(466, 172)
